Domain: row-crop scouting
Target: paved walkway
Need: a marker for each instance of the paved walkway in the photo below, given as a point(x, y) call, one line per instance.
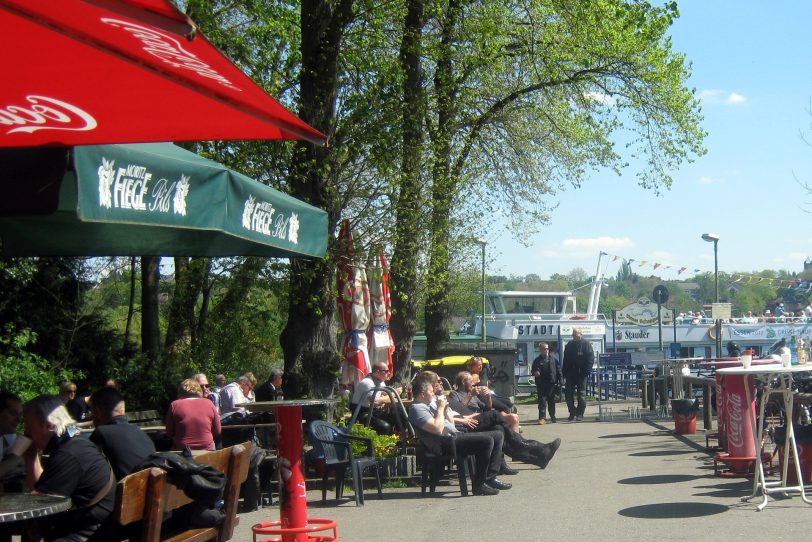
point(618, 480)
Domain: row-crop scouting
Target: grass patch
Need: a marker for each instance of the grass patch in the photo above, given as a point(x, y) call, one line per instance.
point(395, 483)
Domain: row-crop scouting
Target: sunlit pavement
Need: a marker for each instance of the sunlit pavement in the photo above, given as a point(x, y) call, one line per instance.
point(625, 479)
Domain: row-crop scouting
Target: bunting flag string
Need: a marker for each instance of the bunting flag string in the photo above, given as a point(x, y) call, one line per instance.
point(740, 278)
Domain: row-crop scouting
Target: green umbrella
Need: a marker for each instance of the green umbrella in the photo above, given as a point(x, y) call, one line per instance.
point(150, 199)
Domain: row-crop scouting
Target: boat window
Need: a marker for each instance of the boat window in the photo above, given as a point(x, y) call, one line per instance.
point(521, 354)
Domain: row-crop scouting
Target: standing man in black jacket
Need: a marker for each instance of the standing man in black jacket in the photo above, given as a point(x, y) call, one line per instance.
point(578, 359)
point(548, 377)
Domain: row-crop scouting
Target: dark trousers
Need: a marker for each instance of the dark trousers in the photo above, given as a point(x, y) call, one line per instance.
point(486, 447)
point(576, 386)
point(383, 422)
point(546, 397)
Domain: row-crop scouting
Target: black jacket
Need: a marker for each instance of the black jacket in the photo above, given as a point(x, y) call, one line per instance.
point(578, 359)
point(549, 371)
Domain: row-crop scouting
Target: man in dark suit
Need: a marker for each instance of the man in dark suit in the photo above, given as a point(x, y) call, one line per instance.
point(578, 359)
point(271, 389)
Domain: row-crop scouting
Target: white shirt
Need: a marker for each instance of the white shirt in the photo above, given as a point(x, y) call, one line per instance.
point(361, 389)
point(230, 396)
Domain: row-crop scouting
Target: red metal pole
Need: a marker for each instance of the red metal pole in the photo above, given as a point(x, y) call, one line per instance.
point(293, 499)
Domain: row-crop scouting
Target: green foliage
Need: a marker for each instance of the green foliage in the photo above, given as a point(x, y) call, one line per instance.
point(24, 372)
point(385, 445)
point(146, 385)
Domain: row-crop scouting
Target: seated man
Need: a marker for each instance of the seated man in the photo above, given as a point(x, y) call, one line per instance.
point(517, 447)
point(479, 398)
point(126, 446)
point(382, 420)
point(428, 417)
point(75, 468)
point(271, 389)
point(234, 394)
point(208, 392)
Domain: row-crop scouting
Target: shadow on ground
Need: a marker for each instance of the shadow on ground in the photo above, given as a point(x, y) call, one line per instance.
point(655, 453)
point(659, 479)
point(673, 510)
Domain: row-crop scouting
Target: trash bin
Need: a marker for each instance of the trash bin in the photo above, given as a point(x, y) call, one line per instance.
point(684, 411)
point(803, 439)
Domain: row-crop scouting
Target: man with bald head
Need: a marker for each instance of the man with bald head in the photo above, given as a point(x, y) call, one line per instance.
point(125, 445)
point(579, 357)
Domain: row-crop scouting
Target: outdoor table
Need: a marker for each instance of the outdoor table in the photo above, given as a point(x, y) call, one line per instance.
point(784, 376)
point(675, 366)
point(24, 506)
point(290, 443)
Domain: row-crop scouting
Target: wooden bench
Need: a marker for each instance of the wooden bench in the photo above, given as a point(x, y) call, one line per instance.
point(145, 418)
point(146, 496)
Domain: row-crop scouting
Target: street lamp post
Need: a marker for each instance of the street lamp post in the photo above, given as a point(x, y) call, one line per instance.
point(714, 238)
point(482, 242)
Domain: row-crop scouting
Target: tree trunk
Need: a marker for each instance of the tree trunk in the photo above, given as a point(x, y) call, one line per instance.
point(308, 340)
point(203, 315)
point(437, 316)
point(130, 305)
point(150, 328)
point(181, 328)
point(405, 295)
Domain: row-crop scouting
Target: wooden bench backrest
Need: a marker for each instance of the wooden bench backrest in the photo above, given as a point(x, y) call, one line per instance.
point(234, 463)
point(139, 497)
point(145, 417)
point(146, 496)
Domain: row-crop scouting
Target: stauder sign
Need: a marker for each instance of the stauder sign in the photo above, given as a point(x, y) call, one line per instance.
point(642, 313)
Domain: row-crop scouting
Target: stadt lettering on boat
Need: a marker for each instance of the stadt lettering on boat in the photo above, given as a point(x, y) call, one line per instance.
point(45, 113)
point(169, 50)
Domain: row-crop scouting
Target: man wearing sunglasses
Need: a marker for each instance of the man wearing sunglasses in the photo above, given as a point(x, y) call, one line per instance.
point(382, 420)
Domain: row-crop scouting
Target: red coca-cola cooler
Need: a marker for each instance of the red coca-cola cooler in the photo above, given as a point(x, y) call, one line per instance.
point(733, 419)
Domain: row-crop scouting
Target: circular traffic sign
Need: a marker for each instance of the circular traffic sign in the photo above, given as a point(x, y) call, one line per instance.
point(660, 294)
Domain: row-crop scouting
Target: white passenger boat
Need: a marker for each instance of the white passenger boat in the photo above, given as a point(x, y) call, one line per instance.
point(527, 318)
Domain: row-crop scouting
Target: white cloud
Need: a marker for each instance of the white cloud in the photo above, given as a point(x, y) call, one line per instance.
point(704, 179)
point(718, 96)
point(597, 243)
point(600, 97)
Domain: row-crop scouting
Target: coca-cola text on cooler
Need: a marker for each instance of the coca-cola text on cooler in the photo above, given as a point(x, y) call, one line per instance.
point(735, 414)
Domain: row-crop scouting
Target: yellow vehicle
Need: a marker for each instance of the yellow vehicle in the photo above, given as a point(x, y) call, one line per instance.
point(447, 367)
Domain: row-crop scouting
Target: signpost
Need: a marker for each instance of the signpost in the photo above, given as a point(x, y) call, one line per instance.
point(660, 295)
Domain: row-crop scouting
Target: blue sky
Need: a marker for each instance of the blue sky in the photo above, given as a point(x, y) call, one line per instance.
point(752, 68)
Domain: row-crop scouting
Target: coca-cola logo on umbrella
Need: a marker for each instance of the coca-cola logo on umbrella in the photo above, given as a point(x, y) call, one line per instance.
point(170, 51)
point(38, 112)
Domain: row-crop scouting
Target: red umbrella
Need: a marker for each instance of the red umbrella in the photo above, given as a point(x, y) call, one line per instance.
point(353, 306)
point(124, 71)
point(381, 345)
